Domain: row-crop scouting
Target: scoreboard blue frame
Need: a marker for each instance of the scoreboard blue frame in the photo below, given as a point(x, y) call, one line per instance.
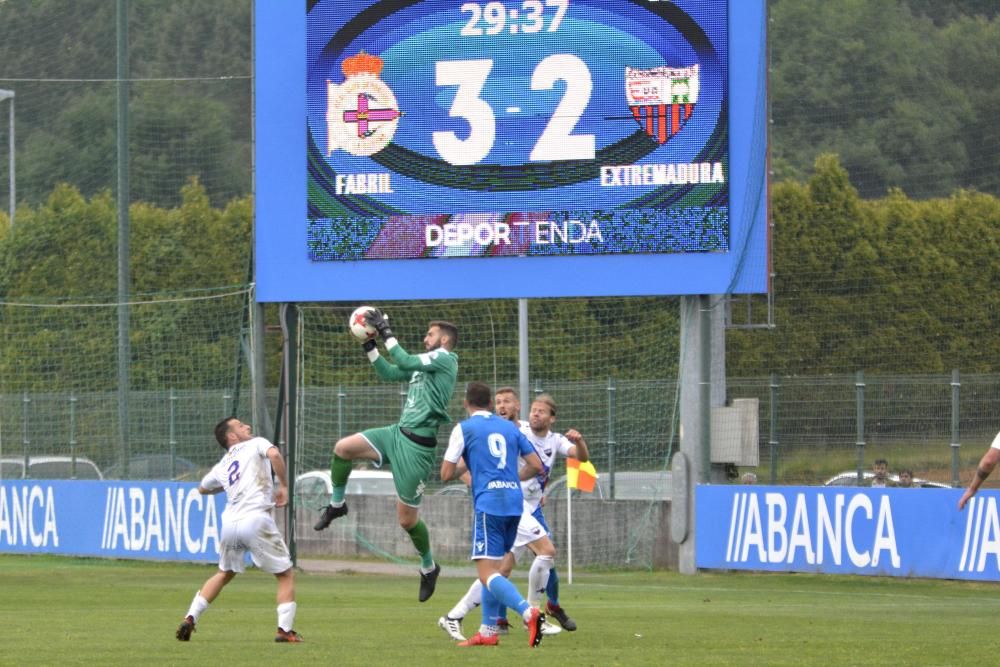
point(415, 149)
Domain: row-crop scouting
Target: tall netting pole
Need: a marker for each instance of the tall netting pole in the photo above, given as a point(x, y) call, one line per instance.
point(124, 352)
point(956, 386)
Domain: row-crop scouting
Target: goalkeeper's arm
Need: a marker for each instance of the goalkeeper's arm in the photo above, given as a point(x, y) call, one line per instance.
point(383, 368)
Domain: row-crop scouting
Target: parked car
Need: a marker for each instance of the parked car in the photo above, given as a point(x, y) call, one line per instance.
point(49, 467)
point(157, 466)
point(629, 485)
point(313, 488)
point(850, 478)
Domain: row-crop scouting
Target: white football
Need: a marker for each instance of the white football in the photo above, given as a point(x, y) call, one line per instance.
point(360, 329)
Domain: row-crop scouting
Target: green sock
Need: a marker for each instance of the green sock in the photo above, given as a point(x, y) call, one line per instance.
point(340, 470)
point(422, 541)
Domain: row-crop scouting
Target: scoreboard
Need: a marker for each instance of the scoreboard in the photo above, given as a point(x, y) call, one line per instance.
point(510, 148)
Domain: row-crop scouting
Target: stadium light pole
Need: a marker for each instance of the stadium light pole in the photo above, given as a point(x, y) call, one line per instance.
point(9, 95)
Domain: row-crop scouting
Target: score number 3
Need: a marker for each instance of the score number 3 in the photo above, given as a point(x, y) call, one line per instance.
point(557, 141)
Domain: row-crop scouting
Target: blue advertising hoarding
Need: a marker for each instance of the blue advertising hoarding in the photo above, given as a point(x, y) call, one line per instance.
point(143, 520)
point(419, 148)
point(889, 532)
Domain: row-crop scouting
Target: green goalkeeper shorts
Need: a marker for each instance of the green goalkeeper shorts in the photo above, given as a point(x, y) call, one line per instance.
point(412, 464)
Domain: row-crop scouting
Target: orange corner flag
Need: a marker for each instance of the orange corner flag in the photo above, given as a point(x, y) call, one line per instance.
point(582, 476)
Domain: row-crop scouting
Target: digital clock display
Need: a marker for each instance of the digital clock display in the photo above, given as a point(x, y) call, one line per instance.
point(442, 129)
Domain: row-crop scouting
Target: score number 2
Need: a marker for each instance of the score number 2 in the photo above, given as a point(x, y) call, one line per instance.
point(557, 141)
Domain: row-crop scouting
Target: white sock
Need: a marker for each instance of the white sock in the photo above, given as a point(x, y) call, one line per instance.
point(472, 599)
point(538, 577)
point(286, 616)
point(198, 606)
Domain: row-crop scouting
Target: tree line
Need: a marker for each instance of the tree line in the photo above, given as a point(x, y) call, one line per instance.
point(904, 91)
point(886, 285)
point(884, 246)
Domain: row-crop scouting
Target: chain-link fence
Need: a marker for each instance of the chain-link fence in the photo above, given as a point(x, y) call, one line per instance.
point(842, 302)
point(58, 384)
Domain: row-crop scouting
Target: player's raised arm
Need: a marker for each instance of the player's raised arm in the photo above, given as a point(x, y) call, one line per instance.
point(579, 450)
point(378, 320)
point(386, 370)
point(983, 470)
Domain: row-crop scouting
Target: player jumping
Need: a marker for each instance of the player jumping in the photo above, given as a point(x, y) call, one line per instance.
point(409, 444)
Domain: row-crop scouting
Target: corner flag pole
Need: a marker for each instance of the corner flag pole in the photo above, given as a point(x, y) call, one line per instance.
point(569, 531)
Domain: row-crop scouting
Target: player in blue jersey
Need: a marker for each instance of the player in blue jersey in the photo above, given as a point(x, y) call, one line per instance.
point(489, 447)
point(408, 445)
point(533, 532)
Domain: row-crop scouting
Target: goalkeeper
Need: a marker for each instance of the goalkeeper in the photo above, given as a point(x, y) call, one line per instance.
point(409, 444)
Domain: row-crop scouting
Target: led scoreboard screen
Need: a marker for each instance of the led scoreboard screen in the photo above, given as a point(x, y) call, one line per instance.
point(447, 141)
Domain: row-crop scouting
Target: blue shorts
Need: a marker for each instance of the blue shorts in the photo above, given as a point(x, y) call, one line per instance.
point(492, 535)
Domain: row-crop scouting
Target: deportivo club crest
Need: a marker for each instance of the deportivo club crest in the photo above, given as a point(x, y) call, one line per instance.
point(662, 98)
point(362, 113)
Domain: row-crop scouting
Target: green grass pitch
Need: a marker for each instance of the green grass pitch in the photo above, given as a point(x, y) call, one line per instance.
point(67, 611)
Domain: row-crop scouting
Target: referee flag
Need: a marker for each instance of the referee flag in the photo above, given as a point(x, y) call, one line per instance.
point(580, 476)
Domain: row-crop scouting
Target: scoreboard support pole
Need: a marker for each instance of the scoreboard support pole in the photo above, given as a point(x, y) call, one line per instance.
point(522, 357)
point(703, 386)
point(287, 414)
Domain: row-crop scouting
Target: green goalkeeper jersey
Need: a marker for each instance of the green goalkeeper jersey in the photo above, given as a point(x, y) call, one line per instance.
point(432, 377)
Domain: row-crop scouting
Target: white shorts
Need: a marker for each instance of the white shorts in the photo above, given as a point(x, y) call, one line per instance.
point(257, 534)
point(528, 530)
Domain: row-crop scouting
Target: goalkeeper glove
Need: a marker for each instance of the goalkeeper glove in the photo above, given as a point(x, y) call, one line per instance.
point(380, 321)
point(368, 345)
